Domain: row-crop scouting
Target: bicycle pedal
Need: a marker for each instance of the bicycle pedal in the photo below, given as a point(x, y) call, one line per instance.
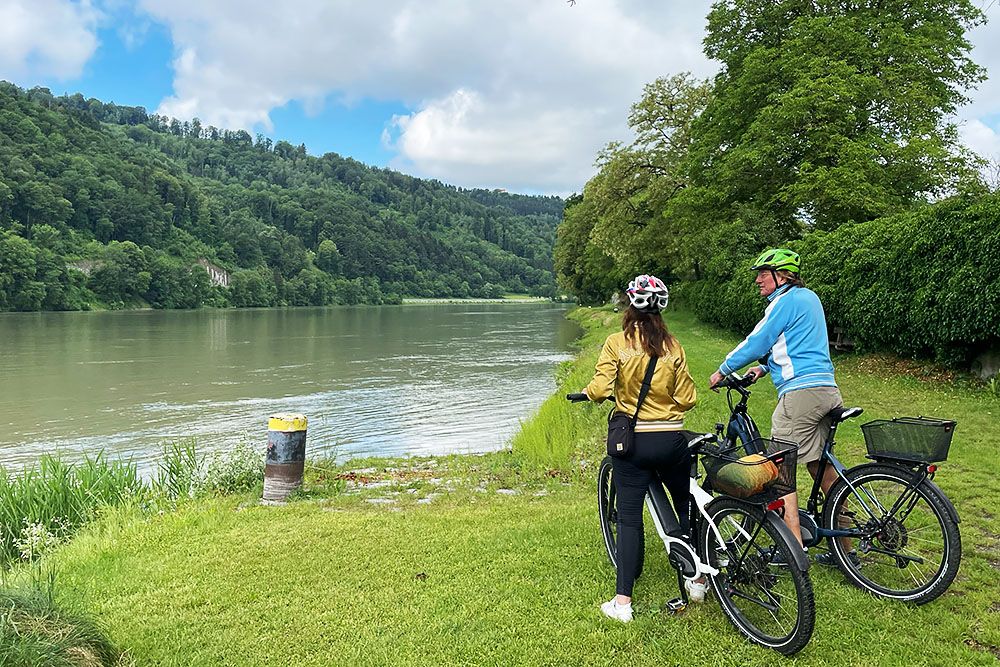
point(676, 606)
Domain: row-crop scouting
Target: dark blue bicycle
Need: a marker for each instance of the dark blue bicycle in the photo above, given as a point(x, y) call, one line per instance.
point(890, 528)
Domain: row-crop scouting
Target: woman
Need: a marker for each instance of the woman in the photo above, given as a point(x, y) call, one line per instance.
point(659, 450)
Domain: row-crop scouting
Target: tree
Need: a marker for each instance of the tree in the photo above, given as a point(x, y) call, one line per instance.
point(328, 257)
point(582, 267)
point(123, 274)
point(252, 288)
point(636, 182)
point(827, 111)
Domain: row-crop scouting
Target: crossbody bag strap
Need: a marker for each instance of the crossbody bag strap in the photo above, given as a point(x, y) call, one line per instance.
point(646, 381)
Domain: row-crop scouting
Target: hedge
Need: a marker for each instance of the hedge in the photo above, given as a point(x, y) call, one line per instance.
point(922, 284)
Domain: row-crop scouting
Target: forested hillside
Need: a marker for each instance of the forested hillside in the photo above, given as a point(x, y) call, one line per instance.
point(109, 206)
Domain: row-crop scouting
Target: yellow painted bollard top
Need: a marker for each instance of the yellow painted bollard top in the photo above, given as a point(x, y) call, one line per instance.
point(288, 423)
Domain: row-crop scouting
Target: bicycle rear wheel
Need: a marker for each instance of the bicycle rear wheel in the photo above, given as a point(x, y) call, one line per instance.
point(908, 547)
point(768, 600)
point(608, 515)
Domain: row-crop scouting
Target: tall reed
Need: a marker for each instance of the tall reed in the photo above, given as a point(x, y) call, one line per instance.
point(44, 505)
point(177, 473)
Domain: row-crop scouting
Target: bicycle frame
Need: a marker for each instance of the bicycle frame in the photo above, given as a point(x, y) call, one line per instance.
point(741, 429)
point(665, 521)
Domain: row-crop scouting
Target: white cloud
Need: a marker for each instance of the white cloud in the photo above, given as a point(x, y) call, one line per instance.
point(981, 138)
point(518, 94)
point(46, 38)
point(979, 127)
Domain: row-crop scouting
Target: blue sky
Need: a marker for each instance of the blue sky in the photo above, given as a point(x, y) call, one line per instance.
point(140, 73)
point(519, 94)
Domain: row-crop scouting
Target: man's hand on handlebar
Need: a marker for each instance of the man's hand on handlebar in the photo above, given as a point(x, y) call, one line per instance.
point(713, 382)
point(735, 379)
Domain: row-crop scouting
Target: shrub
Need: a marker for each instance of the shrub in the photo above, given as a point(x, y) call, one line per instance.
point(236, 471)
point(184, 473)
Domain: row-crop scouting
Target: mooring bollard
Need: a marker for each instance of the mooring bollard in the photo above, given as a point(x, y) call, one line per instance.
point(286, 455)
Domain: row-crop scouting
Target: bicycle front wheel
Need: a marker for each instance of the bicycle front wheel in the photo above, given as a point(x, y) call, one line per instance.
point(608, 510)
point(608, 515)
point(768, 600)
point(907, 546)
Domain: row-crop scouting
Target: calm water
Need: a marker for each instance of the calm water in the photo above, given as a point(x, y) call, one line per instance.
point(424, 379)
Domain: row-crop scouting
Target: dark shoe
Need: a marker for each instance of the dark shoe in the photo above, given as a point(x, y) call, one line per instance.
point(827, 559)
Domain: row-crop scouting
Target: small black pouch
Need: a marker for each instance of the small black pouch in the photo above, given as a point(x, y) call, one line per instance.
point(621, 432)
point(621, 427)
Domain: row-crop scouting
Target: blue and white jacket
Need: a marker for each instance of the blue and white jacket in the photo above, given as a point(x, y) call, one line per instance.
point(793, 335)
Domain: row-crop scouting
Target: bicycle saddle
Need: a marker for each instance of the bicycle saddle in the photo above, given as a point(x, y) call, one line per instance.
point(841, 414)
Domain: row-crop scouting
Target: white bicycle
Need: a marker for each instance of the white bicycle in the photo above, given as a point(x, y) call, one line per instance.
point(756, 569)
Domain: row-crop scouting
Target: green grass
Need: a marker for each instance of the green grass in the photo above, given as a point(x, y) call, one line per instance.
point(496, 560)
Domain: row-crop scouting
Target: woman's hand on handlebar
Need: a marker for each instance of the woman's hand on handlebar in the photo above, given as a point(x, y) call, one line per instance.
point(756, 373)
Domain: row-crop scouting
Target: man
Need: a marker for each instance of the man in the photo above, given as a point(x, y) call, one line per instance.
point(792, 337)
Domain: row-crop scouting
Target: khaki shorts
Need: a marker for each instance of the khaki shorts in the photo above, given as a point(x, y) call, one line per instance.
point(801, 417)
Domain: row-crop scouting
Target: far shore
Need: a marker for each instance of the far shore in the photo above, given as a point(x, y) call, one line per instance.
point(506, 299)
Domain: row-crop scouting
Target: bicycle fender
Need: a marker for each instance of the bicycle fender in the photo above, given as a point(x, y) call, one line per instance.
point(952, 512)
point(798, 554)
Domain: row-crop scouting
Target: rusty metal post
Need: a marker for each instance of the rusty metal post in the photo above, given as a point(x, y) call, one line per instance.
point(286, 456)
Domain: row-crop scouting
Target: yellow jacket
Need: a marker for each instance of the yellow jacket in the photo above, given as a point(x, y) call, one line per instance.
point(619, 372)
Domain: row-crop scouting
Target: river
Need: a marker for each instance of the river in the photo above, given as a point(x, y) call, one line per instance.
point(410, 379)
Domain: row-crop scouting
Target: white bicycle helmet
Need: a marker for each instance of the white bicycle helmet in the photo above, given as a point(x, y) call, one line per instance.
point(648, 294)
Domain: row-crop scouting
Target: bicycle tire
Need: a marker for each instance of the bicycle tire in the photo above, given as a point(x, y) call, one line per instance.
point(884, 559)
point(608, 515)
point(750, 580)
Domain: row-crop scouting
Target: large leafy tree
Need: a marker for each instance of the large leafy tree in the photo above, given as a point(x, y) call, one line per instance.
point(829, 111)
point(582, 267)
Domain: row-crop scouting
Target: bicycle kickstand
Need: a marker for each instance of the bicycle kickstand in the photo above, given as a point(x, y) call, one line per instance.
point(678, 604)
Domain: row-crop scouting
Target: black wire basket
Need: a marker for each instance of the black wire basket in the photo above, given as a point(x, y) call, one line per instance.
point(757, 478)
point(916, 439)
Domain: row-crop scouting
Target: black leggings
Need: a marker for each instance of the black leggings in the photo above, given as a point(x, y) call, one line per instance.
point(660, 455)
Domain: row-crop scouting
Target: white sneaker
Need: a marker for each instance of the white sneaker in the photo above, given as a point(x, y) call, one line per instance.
point(696, 590)
point(619, 612)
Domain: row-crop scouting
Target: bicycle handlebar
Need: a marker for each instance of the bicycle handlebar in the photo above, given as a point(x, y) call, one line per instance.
point(577, 398)
point(736, 381)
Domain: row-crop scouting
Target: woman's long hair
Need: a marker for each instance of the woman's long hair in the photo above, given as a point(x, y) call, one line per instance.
point(653, 334)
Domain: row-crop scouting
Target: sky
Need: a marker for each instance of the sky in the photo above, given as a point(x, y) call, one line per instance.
point(513, 94)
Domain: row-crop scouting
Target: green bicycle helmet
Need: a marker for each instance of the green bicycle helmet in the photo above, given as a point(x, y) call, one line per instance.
point(777, 259)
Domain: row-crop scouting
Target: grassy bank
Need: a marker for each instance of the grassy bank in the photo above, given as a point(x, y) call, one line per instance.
point(497, 559)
